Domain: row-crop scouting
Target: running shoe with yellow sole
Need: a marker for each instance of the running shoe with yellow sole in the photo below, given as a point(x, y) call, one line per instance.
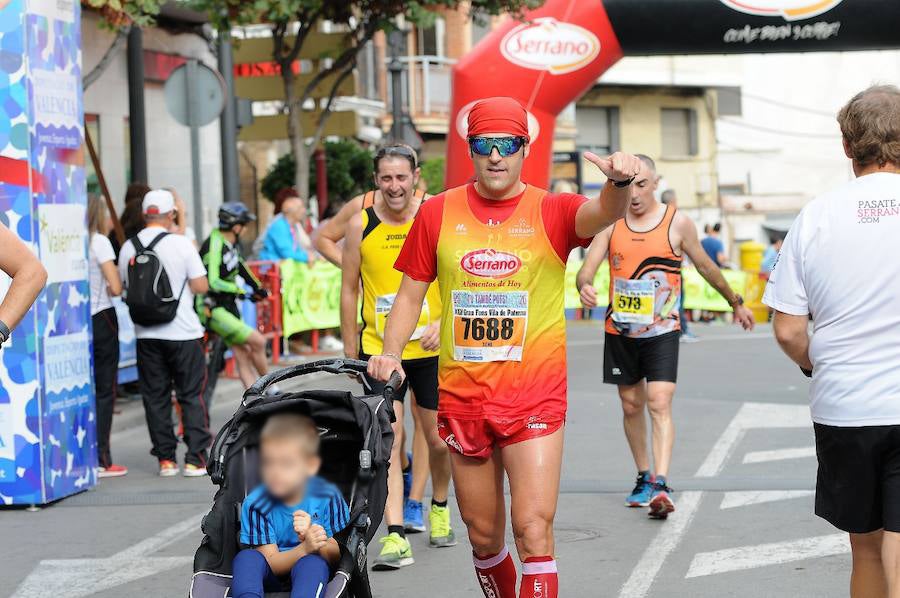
point(167, 468)
point(396, 553)
point(194, 471)
point(442, 535)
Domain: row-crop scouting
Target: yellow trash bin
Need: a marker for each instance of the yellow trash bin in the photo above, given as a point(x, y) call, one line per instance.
point(751, 262)
point(752, 256)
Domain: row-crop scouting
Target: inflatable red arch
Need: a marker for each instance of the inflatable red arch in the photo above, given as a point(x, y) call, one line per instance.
point(557, 52)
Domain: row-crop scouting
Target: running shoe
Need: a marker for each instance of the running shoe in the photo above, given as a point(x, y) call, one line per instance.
point(413, 519)
point(113, 471)
point(661, 503)
point(396, 553)
point(330, 343)
point(407, 477)
point(194, 471)
point(442, 535)
point(167, 468)
point(643, 488)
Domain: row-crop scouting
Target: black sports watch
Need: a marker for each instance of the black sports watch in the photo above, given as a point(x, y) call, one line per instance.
point(738, 301)
point(4, 332)
point(624, 183)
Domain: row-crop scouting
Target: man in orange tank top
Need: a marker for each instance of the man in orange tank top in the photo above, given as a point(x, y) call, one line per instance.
point(498, 249)
point(643, 326)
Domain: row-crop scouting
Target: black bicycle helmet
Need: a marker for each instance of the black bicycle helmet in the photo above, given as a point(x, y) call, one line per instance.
point(234, 212)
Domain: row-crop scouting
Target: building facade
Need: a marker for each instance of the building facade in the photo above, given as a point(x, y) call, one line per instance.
point(168, 142)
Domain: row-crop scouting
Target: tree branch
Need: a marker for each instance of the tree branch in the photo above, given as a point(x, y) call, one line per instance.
point(114, 48)
point(326, 110)
point(306, 24)
point(342, 61)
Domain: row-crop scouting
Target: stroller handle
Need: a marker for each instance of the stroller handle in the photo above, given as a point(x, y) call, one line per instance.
point(331, 366)
point(392, 386)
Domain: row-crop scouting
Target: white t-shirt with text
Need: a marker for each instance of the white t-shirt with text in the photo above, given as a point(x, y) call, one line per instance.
point(101, 251)
point(181, 262)
point(840, 263)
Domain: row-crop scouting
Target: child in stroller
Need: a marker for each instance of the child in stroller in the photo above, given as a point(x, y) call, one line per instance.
point(355, 436)
point(288, 522)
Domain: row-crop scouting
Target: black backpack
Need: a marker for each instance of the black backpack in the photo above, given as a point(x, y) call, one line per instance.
point(148, 294)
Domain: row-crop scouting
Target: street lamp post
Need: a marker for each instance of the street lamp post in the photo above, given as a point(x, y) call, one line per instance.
point(395, 68)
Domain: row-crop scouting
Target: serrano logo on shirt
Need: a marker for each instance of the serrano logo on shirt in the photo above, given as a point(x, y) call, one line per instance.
point(490, 263)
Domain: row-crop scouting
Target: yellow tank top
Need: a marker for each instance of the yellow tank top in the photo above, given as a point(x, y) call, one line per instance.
point(503, 334)
point(381, 244)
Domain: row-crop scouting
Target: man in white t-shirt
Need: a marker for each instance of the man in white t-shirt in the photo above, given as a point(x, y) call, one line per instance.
point(171, 354)
point(840, 266)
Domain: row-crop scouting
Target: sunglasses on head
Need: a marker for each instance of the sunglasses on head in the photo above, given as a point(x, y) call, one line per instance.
point(398, 149)
point(506, 146)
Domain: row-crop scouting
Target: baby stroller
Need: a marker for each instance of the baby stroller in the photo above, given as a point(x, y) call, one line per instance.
point(356, 438)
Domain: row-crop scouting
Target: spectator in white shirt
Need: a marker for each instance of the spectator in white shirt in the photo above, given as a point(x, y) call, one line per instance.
point(172, 354)
point(105, 283)
point(839, 266)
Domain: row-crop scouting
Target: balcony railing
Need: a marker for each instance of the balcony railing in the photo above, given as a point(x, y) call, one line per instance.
point(426, 84)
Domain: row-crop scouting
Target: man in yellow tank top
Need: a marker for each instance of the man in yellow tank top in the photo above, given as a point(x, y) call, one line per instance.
point(327, 239)
point(498, 248)
point(374, 238)
point(643, 326)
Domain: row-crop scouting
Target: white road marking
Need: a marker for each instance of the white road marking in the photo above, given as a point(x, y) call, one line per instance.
point(666, 540)
point(75, 578)
point(780, 454)
point(761, 555)
point(745, 498)
point(751, 415)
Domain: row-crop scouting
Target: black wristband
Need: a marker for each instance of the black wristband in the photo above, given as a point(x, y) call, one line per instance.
point(4, 332)
point(624, 183)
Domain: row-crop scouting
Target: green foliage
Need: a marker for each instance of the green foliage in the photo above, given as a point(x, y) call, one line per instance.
point(280, 176)
point(433, 171)
point(348, 165)
point(121, 13)
point(349, 169)
point(226, 14)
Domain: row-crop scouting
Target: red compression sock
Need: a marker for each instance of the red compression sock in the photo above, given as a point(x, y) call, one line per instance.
point(539, 578)
point(496, 574)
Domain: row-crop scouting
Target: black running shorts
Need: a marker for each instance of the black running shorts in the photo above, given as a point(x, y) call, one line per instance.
point(627, 360)
point(858, 486)
point(421, 377)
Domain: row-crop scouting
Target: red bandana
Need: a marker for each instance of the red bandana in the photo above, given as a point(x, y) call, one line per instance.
point(498, 115)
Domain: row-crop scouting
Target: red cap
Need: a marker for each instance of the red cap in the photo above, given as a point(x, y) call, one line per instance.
point(499, 114)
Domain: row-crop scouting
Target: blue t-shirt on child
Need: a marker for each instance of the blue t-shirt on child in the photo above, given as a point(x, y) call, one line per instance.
point(266, 520)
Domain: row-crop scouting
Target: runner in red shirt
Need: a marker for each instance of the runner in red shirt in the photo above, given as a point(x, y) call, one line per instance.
point(498, 249)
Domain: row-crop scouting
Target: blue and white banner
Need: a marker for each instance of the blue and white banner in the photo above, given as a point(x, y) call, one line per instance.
point(48, 446)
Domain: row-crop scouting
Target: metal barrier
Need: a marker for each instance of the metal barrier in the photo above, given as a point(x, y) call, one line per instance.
point(268, 311)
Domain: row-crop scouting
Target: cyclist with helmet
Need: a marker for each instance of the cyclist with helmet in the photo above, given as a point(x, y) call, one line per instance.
point(218, 308)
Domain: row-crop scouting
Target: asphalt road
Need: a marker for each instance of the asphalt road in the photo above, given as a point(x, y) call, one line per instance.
point(744, 471)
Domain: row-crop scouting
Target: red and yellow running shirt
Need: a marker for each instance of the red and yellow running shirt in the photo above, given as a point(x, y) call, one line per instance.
point(501, 271)
point(644, 281)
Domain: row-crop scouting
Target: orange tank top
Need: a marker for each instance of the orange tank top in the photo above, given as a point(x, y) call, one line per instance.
point(503, 329)
point(644, 281)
